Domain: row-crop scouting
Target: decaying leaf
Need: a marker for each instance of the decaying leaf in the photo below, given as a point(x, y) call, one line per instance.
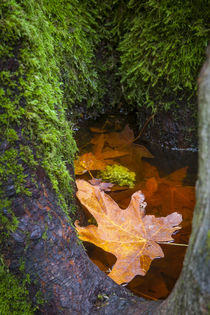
point(102, 186)
point(133, 160)
point(129, 234)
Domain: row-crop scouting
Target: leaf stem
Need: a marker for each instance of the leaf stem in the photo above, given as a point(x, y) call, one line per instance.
point(90, 174)
point(176, 244)
point(143, 128)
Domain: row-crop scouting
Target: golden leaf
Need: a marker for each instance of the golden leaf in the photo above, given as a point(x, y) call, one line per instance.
point(129, 234)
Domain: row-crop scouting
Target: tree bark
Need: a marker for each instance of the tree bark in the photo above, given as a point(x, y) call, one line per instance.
point(191, 294)
point(57, 263)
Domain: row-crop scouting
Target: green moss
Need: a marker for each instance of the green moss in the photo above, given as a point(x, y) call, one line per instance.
point(44, 235)
point(162, 46)
point(118, 174)
point(14, 299)
point(50, 45)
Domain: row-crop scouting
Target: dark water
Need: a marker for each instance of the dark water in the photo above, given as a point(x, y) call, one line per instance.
point(173, 194)
point(163, 273)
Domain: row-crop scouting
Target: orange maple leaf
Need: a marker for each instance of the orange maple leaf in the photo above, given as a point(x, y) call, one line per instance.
point(90, 162)
point(128, 233)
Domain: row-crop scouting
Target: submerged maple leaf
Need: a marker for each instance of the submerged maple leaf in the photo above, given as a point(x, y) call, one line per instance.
point(169, 193)
point(89, 161)
point(128, 233)
point(119, 139)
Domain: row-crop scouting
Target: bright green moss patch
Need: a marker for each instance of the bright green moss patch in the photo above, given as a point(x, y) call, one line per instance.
point(118, 174)
point(14, 299)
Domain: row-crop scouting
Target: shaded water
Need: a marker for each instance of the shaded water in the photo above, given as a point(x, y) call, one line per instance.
point(167, 181)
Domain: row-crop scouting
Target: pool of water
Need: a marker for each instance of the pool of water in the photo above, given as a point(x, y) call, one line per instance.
point(167, 179)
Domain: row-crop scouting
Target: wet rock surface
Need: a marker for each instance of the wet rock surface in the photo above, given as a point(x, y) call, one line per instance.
point(176, 128)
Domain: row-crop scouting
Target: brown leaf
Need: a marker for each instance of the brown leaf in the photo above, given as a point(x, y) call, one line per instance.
point(129, 234)
point(178, 175)
point(149, 170)
point(102, 186)
point(151, 187)
point(133, 160)
point(102, 151)
point(119, 139)
point(78, 168)
point(111, 154)
point(98, 141)
point(98, 130)
point(119, 145)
